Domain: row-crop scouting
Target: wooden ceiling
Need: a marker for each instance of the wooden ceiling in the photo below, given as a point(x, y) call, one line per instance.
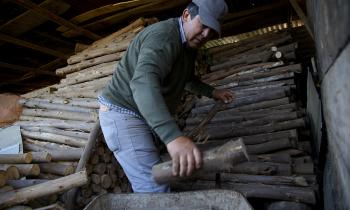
point(37, 36)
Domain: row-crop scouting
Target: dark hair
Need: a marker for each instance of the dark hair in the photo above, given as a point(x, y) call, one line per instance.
point(192, 9)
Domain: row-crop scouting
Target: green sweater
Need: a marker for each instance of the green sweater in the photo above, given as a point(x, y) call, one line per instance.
point(152, 75)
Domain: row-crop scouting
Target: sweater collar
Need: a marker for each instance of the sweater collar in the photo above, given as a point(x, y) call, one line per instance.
point(182, 32)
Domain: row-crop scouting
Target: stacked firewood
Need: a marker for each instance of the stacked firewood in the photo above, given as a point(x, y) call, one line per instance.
point(260, 71)
point(105, 175)
point(56, 121)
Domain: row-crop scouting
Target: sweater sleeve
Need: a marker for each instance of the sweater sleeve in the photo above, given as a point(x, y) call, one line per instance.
point(198, 87)
point(156, 56)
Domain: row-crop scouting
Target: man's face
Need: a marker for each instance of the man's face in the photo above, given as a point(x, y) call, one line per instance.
point(196, 33)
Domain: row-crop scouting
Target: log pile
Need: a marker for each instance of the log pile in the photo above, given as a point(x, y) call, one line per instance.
point(56, 123)
point(260, 71)
point(105, 175)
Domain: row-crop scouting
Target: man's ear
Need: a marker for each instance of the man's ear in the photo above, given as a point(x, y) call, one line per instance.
point(186, 17)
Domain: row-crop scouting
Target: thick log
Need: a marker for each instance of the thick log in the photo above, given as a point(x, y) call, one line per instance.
point(228, 132)
point(251, 90)
point(262, 168)
point(96, 83)
point(106, 181)
point(71, 141)
point(15, 158)
point(261, 179)
point(56, 168)
point(111, 48)
point(27, 169)
point(80, 102)
point(287, 205)
point(88, 63)
point(48, 105)
point(57, 154)
point(44, 145)
point(297, 194)
point(239, 116)
point(43, 189)
point(101, 42)
point(77, 134)
point(273, 158)
point(95, 178)
point(228, 155)
point(41, 157)
point(303, 168)
point(80, 93)
point(266, 96)
point(231, 71)
point(240, 121)
point(259, 75)
point(64, 124)
point(60, 114)
point(16, 184)
point(282, 79)
point(99, 71)
point(271, 146)
point(48, 176)
point(12, 172)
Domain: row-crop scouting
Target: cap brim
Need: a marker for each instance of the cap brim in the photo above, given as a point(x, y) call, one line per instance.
point(209, 21)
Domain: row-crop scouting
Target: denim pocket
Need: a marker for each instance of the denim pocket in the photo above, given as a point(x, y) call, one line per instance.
point(110, 130)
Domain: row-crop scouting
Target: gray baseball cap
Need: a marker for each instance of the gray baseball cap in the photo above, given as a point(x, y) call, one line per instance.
point(211, 11)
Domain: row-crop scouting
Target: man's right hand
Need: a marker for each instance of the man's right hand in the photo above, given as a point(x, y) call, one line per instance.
point(185, 156)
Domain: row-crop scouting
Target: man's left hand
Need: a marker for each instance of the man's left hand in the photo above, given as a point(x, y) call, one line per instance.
point(223, 95)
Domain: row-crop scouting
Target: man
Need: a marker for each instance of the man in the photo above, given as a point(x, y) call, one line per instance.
point(146, 88)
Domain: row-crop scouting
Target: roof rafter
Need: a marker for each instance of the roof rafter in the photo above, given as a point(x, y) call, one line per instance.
point(57, 19)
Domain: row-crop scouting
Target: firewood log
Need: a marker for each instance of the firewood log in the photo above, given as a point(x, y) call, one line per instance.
point(228, 154)
point(89, 63)
point(26, 169)
point(60, 114)
point(41, 157)
point(31, 103)
point(55, 138)
point(16, 158)
point(44, 189)
point(17, 184)
point(77, 134)
point(56, 168)
point(12, 172)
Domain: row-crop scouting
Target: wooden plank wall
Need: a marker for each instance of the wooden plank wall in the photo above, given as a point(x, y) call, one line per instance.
point(330, 22)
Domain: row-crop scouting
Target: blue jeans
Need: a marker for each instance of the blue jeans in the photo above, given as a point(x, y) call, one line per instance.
point(131, 141)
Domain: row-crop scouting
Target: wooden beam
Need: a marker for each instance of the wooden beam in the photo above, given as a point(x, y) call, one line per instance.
point(57, 19)
point(243, 13)
point(26, 69)
point(151, 8)
point(29, 19)
point(29, 45)
point(104, 10)
point(302, 16)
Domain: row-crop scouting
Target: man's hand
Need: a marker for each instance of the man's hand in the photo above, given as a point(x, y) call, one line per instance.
point(185, 156)
point(223, 95)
